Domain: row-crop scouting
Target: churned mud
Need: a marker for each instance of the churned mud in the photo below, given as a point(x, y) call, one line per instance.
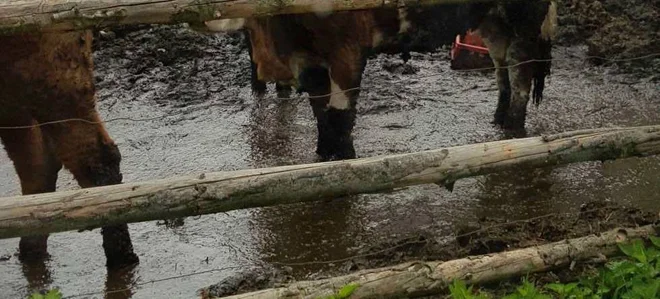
point(178, 102)
point(482, 236)
point(614, 29)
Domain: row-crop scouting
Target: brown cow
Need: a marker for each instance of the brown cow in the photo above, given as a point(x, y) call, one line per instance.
point(49, 77)
point(327, 54)
point(323, 56)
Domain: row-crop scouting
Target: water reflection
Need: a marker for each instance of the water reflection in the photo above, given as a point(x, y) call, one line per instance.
point(633, 181)
point(305, 237)
point(37, 272)
point(300, 233)
point(520, 193)
point(119, 283)
point(271, 128)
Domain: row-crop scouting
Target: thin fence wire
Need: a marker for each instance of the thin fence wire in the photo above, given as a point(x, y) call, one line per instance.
point(587, 58)
point(349, 258)
point(152, 282)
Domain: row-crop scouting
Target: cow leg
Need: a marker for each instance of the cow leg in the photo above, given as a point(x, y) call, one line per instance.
point(504, 90)
point(316, 82)
point(89, 153)
point(497, 49)
point(345, 75)
point(37, 168)
point(258, 86)
point(85, 149)
point(335, 115)
point(520, 77)
point(283, 90)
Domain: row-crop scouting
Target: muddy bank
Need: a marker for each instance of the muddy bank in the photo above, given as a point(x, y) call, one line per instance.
point(613, 29)
point(483, 236)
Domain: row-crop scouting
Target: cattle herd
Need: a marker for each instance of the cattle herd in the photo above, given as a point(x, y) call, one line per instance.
point(48, 77)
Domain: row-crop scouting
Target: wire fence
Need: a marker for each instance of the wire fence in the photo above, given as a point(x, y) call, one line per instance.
point(587, 58)
point(448, 245)
point(137, 285)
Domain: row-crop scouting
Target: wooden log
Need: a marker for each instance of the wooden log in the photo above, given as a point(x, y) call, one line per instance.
point(225, 191)
point(48, 15)
point(416, 279)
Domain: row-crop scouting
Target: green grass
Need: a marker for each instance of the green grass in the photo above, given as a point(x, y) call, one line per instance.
point(52, 294)
point(637, 276)
point(345, 292)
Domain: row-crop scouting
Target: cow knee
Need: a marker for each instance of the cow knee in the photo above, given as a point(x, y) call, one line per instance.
point(340, 98)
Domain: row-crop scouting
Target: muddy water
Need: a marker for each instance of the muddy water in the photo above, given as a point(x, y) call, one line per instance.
point(188, 95)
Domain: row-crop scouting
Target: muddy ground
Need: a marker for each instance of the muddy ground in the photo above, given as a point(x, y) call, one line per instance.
point(613, 29)
point(483, 236)
point(182, 105)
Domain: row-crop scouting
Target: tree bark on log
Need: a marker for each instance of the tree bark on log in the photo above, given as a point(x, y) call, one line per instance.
point(225, 191)
point(48, 15)
point(417, 279)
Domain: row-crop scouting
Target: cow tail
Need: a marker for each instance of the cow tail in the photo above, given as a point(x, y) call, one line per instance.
point(544, 52)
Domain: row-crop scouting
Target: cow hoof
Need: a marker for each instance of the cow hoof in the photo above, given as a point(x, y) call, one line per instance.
point(258, 94)
point(338, 156)
point(330, 158)
point(499, 120)
point(514, 121)
point(331, 149)
point(514, 132)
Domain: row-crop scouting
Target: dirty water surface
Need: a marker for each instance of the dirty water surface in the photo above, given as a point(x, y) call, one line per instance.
point(183, 106)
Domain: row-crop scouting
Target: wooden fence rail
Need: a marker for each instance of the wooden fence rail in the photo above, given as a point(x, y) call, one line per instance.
point(419, 279)
point(54, 15)
point(225, 191)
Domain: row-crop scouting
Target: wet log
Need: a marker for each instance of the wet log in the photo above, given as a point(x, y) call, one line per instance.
point(34, 15)
point(225, 191)
point(417, 279)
